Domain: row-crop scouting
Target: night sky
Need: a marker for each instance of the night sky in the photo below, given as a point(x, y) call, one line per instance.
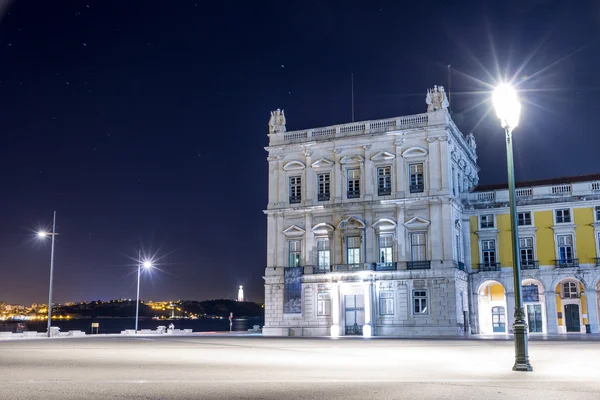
point(143, 122)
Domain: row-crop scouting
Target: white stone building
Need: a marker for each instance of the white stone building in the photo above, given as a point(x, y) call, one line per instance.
point(365, 228)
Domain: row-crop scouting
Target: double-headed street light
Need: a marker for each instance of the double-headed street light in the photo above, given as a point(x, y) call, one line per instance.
point(147, 264)
point(43, 235)
point(508, 109)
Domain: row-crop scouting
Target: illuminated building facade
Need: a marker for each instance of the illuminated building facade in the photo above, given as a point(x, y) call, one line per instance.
point(559, 240)
point(366, 233)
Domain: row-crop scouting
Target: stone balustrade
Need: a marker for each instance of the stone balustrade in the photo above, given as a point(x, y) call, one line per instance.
point(351, 129)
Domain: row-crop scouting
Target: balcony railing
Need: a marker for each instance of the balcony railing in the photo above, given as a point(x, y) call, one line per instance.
point(488, 267)
point(295, 199)
point(386, 266)
point(420, 188)
point(353, 194)
point(323, 196)
point(352, 267)
point(460, 265)
point(567, 263)
point(531, 264)
point(425, 264)
point(321, 269)
point(384, 191)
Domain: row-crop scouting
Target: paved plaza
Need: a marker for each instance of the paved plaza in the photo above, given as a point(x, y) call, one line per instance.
point(254, 367)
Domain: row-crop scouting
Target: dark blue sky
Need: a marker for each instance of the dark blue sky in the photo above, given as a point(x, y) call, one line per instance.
point(144, 122)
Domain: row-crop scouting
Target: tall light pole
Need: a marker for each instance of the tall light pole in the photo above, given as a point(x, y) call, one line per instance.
point(44, 234)
point(508, 110)
point(147, 264)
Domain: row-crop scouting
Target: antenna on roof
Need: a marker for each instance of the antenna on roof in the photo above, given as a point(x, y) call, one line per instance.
point(352, 86)
point(449, 92)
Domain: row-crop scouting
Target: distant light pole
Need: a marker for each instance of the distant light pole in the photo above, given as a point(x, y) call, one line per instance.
point(508, 110)
point(147, 265)
point(44, 234)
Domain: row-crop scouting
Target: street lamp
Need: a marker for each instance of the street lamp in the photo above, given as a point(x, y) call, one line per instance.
point(508, 110)
point(43, 235)
point(147, 265)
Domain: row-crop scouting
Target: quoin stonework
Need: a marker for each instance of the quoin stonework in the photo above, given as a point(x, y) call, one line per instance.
point(380, 228)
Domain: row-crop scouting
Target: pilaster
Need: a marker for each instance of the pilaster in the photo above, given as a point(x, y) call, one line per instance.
point(335, 311)
point(551, 317)
point(368, 173)
point(510, 311)
point(591, 297)
point(368, 326)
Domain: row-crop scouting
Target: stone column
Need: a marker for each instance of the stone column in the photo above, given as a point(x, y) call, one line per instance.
point(591, 298)
point(370, 240)
point(335, 311)
point(551, 318)
point(400, 235)
point(399, 176)
point(309, 196)
point(510, 311)
point(339, 177)
point(368, 326)
point(282, 187)
point(271, 241)
point(309, 237)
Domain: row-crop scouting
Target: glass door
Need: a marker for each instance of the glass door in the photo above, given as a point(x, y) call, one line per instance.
point(534, 317)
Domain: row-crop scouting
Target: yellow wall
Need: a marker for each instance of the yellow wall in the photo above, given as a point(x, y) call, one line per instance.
point(584, 235)
point(583, 302)
point(545, 249)
point(559, 307)
point(497, 292)
point(474, 242)
point(504, 244)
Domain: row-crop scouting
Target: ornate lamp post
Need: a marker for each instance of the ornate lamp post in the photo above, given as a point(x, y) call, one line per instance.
point(508, 110)
point(147, 265)
point(42, 235)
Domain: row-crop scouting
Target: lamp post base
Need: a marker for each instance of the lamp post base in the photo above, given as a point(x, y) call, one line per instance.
point(521, 356)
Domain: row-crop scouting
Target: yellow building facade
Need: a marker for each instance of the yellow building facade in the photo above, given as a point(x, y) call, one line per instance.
point(559, 254)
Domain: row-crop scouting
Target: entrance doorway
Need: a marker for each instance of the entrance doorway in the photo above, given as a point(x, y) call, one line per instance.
point(572, 318)
point(354, 305)
point(534, 317)
point(498, 319)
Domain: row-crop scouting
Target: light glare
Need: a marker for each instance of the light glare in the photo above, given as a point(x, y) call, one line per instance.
point(147, 264)
point(506, 103)
point(42, 234)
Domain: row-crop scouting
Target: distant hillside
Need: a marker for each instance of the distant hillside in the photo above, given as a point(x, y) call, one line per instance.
point(208, 308)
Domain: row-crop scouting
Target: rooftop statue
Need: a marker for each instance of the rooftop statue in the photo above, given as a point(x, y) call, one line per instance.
point(277, 121)
point(436, 99)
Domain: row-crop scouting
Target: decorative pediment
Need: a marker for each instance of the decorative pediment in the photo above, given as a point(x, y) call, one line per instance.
point(323, 229)
point(351, 223)
point(354, 158)
point(294, 166)
point(415, 152)
point(293, 231)
point(417, 223)
point(384, 224)
point(383, 156)
point(322, 163)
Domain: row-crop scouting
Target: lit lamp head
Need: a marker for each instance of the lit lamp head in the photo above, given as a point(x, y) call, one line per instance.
point(147, 264)
point(42, 234)
point(506, 103)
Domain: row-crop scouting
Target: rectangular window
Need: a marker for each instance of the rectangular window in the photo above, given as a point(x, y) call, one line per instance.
point(353, 249)
point(570, 290)
point(524, 218)
point(488, 252)
point(323, 252)
point(386, 303)
point(295, 189)
point(420, 302)
point(418, 246)
point(353, 183)
point(563, 216)
point(323, 304)
point(598, 213)
point(565, 248)
point(416, 178)
point(487, 221)
point(385, 248)
point(294, 253)
point(526, 249)
point(384, 181)
point(324, 184)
